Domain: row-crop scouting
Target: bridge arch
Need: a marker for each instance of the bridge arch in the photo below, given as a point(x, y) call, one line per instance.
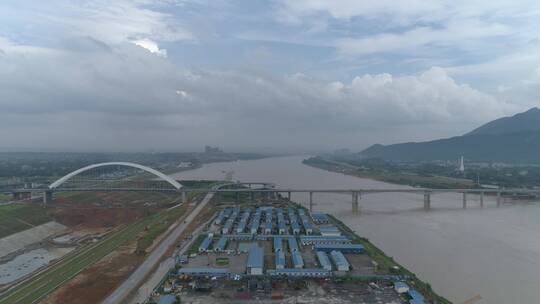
point(164, 177)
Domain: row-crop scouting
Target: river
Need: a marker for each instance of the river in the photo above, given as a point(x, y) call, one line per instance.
point(491, 251)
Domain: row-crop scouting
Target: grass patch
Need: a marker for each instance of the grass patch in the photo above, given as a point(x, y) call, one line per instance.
point(222, 261)
point(152, 231)
point(195, 246)
point(18, 217)
point(4, 198)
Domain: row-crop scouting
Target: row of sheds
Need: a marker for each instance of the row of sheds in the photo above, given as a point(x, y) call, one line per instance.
point(228, 216)
point(218, 247)
point(415, 296)
point(337, 257)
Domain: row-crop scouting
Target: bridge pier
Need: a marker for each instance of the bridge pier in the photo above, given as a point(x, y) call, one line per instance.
point(289, 196)
point(47, 197)
point(481, 199)
point(464, 200)
point(310, 201)
point(355, 207)
point(427, 200)
point(184, 197)
point(498, 199)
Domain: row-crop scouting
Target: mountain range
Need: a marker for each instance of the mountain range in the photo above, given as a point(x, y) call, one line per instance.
point(513, 139)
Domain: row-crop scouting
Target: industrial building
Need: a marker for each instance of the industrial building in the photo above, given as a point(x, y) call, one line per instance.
point(340, 261)
point(304, 272)
point(329, 231)
point(308, 226)
point(343, 248)
point(205, 245)
point(221, 244)
point(280, 260)
point(319, 239)
point(255, 222)
point(295, 227)
point(278, 246)
point(320, 218)
point(324, 261)
point(255, 262)
point(293, 245)
point(268, 227)
point(297, 260)
point(204, 271)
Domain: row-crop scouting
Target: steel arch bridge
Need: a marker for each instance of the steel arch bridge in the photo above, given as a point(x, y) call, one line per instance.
point(158, 174)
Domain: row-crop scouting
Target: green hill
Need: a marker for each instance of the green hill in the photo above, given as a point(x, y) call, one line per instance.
point(508, 139)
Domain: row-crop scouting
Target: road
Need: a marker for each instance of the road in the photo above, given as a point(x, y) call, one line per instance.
point(137, 278)
point(146, 289)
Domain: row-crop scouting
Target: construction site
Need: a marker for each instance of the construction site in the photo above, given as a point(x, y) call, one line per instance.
point(278, 252)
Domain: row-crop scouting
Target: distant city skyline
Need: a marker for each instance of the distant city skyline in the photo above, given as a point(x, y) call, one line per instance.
point(292, 76)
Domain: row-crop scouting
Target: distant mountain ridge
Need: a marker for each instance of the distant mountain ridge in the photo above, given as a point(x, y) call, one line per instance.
point(521, 122)
point(508, 139)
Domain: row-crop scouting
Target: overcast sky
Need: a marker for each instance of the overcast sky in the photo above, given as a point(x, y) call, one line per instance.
point(170, 75)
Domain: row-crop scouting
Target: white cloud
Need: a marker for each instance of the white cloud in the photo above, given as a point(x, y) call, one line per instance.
point(453, 34)
point(79, 95)
point(151, 46)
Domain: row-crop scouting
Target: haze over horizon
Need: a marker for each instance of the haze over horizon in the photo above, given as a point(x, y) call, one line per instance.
point(298, 75)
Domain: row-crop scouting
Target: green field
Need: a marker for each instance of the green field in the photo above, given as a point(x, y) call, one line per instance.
point(19, 217)
point(158, 227)
point(49, 280)
point(4, 198)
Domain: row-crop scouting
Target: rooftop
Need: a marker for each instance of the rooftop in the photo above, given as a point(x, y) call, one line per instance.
point(255, 257)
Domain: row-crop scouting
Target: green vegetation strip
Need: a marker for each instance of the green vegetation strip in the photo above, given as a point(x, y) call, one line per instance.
point(4, 198)
point(49, 280)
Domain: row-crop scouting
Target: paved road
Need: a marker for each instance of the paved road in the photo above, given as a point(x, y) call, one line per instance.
point(146, 289)
point(136, 278)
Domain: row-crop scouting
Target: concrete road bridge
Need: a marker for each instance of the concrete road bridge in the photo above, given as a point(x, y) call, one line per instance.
point(260, 188)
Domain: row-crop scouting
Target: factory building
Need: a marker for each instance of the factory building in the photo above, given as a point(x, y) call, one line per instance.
point(320, 218)
point(278, 246)
point(255, 262)
point(340, 261)
point(416, 297)
point(343, 248)
point(295, 227)
point(227, 228)
point(298, 261)
point(319, 239)
point(268, 227)
point(280, 260)
point(308, 226)
point(221, 244)
point(293, 245)
point(324, 261)
point(329, 231)
point(204, 271)
point(221, 217)
point(205, 245)
point(303, 272)
point(282, 228)
point(255, 222)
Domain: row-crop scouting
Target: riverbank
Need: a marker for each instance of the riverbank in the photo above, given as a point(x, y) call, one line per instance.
point(400, 178)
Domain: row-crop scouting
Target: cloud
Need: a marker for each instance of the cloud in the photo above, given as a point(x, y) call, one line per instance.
point(125, 92)
point(151, 46)
point(453, 34)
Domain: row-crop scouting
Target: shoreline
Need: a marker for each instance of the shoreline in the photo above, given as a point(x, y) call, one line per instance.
point(396, 178)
